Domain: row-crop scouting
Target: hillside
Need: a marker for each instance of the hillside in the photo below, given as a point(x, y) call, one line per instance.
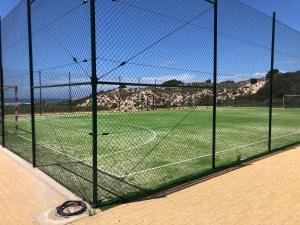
point(283, 84)
point(244, 92)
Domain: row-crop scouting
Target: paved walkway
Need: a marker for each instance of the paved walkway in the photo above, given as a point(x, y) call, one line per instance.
point(263, 192)
point(28, 196)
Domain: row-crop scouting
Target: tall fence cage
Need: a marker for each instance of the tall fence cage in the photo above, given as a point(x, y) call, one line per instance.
point(119, 99)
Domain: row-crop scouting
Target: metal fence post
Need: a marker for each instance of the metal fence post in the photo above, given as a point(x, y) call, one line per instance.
point(31, 83)
point(2, 88)
point(271, 81)
point(40, 84)
point(215, 83)
point(17, 107)
point(70, 93)
point(94, 82)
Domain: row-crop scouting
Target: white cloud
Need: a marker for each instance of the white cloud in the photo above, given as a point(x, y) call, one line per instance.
point(185, 77)
point(241, 76)
point(294, 61)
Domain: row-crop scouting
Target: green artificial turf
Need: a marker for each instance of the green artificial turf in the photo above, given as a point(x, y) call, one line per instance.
point(145, 151)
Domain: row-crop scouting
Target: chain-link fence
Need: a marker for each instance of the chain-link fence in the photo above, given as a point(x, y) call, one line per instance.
point(15, 86)
point(120, 99)
point(286, 86)
point(245, 38)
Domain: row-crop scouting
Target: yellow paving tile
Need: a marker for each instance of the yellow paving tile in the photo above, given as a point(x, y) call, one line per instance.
point(263, 192)
point(25, 192)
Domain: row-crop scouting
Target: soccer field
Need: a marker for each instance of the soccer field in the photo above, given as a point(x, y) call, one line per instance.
point(151, 149)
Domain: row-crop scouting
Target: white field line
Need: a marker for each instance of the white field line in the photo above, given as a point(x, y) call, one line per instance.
point(52, 149)
point(101, 156)
point(254, 143)
point(286, 114)
point(203, 156)
point(78, 160)
point(127, 149)
point(133, 147)
point(154, 137)
point(169, 164)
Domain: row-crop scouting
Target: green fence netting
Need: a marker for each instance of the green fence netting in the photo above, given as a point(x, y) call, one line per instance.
point(130, 97)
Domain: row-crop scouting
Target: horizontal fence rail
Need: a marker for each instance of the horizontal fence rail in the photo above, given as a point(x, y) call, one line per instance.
point(117, 100)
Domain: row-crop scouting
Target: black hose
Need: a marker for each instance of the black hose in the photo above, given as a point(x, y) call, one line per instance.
point(61, 209)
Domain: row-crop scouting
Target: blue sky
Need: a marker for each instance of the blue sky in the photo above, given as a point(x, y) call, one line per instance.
point(126, 28)
point(287, 10)
point(6, 6)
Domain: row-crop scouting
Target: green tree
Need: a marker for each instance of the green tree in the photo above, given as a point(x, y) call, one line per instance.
point(173, 83)
point(275, 71)
point(253, 81)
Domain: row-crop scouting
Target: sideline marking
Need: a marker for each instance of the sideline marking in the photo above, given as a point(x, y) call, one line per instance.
point(82, 161)
point(203, 156)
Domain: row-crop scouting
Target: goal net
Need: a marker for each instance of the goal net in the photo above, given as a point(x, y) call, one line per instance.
point(291, 101)
point(11, 105)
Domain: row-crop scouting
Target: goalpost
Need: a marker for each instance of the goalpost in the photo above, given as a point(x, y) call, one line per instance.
point(291, 101)
point(12, 93)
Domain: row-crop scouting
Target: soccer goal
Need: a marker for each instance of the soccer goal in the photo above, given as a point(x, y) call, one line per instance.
point(11, 94)
point(291, 101)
